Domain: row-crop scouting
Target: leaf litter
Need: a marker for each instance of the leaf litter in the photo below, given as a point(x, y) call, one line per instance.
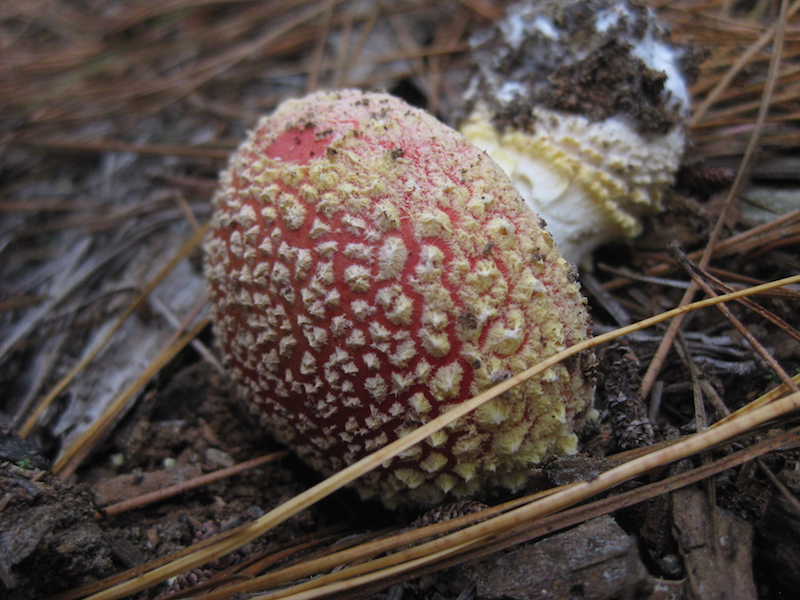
point(117, 117)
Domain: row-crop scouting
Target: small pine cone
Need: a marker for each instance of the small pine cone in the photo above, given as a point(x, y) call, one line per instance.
point(443, 513)
point(619, 375)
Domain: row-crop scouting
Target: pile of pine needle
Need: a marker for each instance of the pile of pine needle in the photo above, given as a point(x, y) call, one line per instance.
point(116, 116)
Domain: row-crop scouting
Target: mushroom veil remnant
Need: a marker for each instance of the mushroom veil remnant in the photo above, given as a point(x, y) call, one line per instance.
point(370, 269)
point(583, 103)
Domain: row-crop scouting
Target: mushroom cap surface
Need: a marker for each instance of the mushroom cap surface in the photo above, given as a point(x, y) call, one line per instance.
point(370, 269)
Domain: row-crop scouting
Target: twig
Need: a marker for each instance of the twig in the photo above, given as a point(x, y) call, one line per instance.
point(72, 456)
point(669, 336)
point(695, 273)
point(184, 486)
point(498, 534)
point(743, 242)
point(187, 249)
point(246, 534)
point(775, 31)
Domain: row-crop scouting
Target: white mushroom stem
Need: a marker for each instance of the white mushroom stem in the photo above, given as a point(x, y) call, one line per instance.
point(590, 181)
point(583, 104)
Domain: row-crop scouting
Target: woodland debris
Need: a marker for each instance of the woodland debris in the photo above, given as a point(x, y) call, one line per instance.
point(594, 561)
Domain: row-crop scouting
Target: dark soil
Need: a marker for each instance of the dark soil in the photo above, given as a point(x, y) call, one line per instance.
point(659, 549)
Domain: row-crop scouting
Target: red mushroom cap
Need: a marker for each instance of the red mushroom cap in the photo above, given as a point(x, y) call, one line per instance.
point(370, 269)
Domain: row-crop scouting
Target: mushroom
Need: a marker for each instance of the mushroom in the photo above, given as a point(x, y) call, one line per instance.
point(583, 104)
point(369, 269)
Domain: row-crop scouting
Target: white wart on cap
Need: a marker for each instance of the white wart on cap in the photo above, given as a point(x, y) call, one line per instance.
point(369, 270)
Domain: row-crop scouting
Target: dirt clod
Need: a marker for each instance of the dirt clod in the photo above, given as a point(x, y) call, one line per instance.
point(49, 541)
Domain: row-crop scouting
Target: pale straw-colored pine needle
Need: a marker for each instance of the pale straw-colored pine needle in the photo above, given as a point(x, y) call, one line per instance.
point(481, 533)
point(191, 484)
point(654, 368)
point(71, 457)
point(693, 444)
point(754, 238)
point(188, 247)
point(769, 397)
point(718, 92)
point(695, 272)
point(335, 560)
point(744, 60)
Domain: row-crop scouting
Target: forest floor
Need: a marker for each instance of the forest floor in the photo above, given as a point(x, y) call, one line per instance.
point(116, 117)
